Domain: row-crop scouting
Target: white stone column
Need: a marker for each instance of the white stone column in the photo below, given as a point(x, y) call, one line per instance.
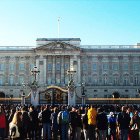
point(78, 70)
point(53, 70)
point(44, 67)
point(62, 70)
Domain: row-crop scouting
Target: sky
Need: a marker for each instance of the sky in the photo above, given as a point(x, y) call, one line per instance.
point(95, 22)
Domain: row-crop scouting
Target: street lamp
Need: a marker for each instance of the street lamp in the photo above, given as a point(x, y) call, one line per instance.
point(22, 97)
point(34, 72)
point(71, 86)
point(83, 93)
point(34, 87)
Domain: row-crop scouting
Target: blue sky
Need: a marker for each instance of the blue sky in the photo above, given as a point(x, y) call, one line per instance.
point(96, 22)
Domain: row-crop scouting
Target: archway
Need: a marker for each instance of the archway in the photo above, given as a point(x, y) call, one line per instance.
point(116, 94)
point(2, 94)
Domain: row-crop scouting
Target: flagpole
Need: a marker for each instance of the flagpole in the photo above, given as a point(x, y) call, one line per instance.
point(58, 28)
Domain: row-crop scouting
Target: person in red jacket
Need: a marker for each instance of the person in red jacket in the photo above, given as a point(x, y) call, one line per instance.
point(2, 123)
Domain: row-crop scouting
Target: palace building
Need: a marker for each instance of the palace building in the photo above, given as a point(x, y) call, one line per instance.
point(104, 69)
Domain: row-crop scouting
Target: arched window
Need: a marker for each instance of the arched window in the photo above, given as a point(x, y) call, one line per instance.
point(126, 80)
point(115, 80)
point(136, 79)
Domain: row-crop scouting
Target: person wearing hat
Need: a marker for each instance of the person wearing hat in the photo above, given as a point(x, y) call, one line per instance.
point(112, 126)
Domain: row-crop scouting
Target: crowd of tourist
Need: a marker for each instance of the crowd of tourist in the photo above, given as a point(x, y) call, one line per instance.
point(94, 122)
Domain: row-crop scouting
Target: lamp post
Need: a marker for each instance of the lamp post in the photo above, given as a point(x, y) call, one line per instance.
point(71, 87)
point(34, 72)
point(83, 93)
point(34, 87)
point(22, 98)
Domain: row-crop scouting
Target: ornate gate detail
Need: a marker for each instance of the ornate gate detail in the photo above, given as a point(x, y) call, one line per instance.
point(55, 94)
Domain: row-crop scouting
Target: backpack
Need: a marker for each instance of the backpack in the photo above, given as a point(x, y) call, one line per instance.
point(64, 117)
point(112, 119)
point(13, 131)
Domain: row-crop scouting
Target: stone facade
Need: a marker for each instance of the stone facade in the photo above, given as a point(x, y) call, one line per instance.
point(104, 69)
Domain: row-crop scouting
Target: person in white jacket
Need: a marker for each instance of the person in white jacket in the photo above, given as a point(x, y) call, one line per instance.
point(14, 126)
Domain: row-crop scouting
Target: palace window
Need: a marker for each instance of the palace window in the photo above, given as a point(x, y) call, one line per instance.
point(125, 80)
point(21, 80)
point(125, 66)
point(58, 66)
point(49, 80)
point(12, 67)
point(84, 67)
point(94, 67)
point(105, 66)
point(57, 79)
point(115, 80)
point(66, 65)
point(115, 66)
point(95, 80)
point(1, 81)
point(49, 66)
point(105, 79)
point(1, 67)
point(136, 80)
point(21, 66)
point(11, 80)
point(31, 66)
point(136, 66)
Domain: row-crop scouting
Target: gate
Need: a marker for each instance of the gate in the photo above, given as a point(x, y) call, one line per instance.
point(54, 95)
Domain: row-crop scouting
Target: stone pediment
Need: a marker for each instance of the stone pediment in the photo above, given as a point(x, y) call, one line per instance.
point(58, 45)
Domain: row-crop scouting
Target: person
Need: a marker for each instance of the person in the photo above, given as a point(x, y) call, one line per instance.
point(46, 122)
point(2, 123)
point(135, 126)
point(78, 125)
point(63, 120)
point(85, 124)
point(124, 123)
point(15, 127)
point(40, 122)
point(11, 115)
point(102, 124)
point(73, 119)
point(92, 114)
point(33, 115)
point(112, 120)
point(55, 126)
point(25, 122)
